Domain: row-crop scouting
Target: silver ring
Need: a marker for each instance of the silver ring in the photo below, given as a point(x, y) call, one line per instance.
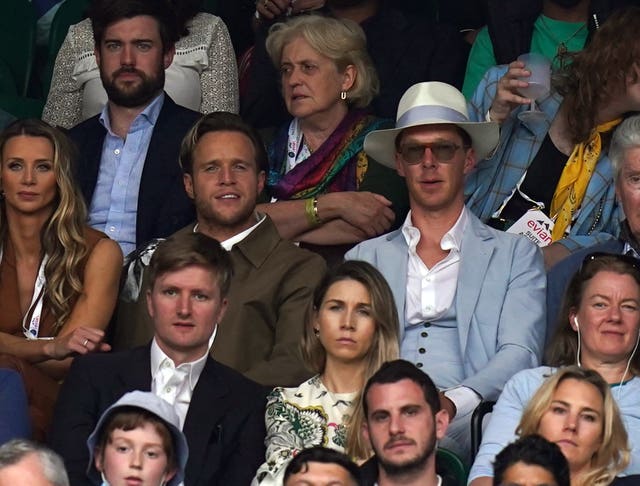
point(85, 343)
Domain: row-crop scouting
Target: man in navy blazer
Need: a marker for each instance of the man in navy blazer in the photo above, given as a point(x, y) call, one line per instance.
point(221, 412)
point(471, 300)
point(128, 167)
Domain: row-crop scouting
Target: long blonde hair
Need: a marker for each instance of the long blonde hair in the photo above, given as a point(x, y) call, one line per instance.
point(612, 456)
point(383, 348)
point(61, 237)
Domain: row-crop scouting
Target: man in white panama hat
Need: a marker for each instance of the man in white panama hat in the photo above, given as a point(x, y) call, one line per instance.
point(471, 300)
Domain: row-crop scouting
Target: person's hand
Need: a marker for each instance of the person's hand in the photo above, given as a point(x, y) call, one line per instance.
point(367, 211)
point(271, 9)
point(553, 253)
point(299, 6)
point(81, 340)
point(448, 406)
point(507, 93)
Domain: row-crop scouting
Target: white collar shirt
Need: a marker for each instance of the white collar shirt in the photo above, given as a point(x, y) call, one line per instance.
point(175, 384)
point(235, 239)
point(430, 291)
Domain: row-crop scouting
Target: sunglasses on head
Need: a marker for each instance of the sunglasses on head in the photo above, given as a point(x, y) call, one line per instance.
point(413, 153)
point(628, 259)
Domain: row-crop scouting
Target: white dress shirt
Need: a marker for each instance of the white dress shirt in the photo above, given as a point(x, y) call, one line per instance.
point(430, 292)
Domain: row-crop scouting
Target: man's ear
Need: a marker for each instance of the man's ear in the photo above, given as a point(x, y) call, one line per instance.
point(167, 57)
point(149, 304)
point(187, 179)
point(469, 161)
point(441, 420)
point(364, 430)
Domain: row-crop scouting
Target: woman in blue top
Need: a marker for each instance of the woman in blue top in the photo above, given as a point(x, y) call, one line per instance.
point(600, 331)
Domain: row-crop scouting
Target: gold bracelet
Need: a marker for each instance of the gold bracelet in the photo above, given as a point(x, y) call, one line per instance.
point(311, 211)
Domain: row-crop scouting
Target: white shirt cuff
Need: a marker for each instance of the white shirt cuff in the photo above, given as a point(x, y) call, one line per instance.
point(464, 398)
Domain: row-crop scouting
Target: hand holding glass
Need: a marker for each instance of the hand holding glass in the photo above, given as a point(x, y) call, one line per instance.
point(539, 83)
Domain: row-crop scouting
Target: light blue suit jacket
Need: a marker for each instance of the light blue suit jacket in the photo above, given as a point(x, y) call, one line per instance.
point(500, 300)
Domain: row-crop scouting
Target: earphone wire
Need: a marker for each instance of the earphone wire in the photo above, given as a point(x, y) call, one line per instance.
point(626, 370)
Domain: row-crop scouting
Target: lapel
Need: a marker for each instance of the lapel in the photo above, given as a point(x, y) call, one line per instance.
point(159, 169)
point(475, 254)
point(203, 425)
point(135, 372)
point(89, 143)
point(392, 261)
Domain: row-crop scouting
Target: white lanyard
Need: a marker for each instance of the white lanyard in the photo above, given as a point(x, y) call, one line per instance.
point(35, 308)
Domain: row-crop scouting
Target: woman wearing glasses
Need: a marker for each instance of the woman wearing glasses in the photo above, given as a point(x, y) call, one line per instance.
point(327, 190)
point(600, 331)
point(557, 164)
point(58, 278)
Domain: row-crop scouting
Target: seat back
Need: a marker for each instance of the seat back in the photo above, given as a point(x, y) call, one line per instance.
point(70, 12)
point(18, 40)
point(449, 464)
point(480, 414)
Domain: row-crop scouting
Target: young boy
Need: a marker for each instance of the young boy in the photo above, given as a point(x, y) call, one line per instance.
point(138, 440)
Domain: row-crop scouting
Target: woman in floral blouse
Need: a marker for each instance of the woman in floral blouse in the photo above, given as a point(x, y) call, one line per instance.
point(351, 329)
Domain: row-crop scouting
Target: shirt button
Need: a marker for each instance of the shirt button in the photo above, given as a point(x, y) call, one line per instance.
point(168, 389)
point(116, 151)
point(112, 229)
point(428, 308)
point(427, 279)
point(422, 350)
point(424, 334)
point(419, 365)
point(427, 324)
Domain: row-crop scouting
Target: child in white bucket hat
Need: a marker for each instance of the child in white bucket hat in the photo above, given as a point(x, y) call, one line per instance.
point(118, 454)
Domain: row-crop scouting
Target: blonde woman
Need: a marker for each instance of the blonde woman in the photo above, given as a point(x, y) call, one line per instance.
point(352, 328)
point(58, 277)
point(575, 409)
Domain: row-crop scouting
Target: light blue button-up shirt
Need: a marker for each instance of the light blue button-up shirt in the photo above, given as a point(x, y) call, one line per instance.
point(114, 205)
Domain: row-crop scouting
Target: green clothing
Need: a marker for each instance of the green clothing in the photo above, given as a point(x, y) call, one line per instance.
point(547, 36)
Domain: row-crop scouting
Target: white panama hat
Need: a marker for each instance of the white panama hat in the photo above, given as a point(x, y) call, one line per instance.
point(431, 103)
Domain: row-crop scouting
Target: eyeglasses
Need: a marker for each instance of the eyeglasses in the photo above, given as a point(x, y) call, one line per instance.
point(413, 153)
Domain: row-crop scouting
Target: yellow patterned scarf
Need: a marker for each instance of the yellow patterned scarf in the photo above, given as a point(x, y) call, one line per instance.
point(575, 179)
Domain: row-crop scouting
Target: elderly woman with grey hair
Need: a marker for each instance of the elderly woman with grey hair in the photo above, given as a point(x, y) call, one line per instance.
point(324, 188)
point(624, 153)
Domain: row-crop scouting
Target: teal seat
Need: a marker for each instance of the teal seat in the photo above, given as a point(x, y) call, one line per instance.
point(70, 12)
point(18, 40)
point(7, 82)
point(210, 6)
point(449, 464)
point(21, 106)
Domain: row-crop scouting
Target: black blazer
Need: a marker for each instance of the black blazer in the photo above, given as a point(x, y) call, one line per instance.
point(224, 425)
point(163, 204)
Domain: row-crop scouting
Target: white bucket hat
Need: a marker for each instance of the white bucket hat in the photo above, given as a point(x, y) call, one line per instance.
point(430, 104)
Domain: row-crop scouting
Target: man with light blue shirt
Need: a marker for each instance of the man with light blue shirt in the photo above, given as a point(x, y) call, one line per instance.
point(128, 171)
point(471, 299)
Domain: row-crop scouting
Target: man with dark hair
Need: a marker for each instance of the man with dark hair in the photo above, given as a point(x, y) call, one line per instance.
point(403, 421)
point(319, 466)
point(221, 413)
point(224, 164)
point(128, 170)
point(531, 461)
